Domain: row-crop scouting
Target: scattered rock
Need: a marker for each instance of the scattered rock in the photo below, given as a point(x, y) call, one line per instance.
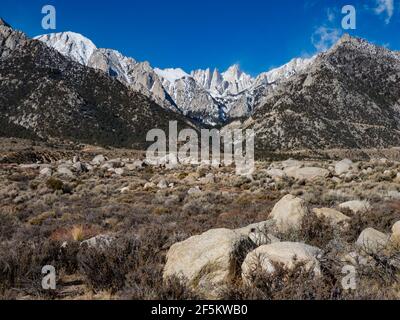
point(119, 171)
point(288, 213)
point(276, 173)
point(34, 166)
point(208, 261)
point(396, 232)
point(79, 167)
point(356, 259)
point(137, 164)
point(291, 163)
point(47, 172)
point(343, 166)
point(259, 233)
point(393, 195)
point(356, 206)
point(306, 173)
point(98, 160)
point(336, 218)
point(125, 190)
point(149, 185)
point(372, 241)
point(162, 184)
point(195, 190)
point(98, 242)
point(288, 254)
point(62, 170)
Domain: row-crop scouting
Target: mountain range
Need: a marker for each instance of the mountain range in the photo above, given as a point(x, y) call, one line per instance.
point(45, 95)
point(61, 85)
point(206, 96)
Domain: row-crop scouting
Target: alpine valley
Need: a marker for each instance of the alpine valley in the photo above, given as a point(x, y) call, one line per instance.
point(62, 85)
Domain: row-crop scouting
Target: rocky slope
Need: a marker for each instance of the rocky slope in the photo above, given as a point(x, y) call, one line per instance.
point(45, 95)
point(347, 97)
point(139, 76)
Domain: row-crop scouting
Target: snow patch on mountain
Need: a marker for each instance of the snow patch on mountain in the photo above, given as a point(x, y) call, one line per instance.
point(284, 72)
point(171, 74)
point(71, 44)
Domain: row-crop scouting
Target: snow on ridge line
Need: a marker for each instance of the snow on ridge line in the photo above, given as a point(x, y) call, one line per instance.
point(171, 74)
point(71, 44)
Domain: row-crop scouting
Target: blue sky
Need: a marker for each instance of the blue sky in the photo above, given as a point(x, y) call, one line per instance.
point(192, 34)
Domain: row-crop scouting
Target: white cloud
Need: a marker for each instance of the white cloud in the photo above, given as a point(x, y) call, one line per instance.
point(385, 7)
point(324, 38)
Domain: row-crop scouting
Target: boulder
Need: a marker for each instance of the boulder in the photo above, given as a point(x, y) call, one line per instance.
point(119, 171)
point(80, 167)
point(372, 241)
point(356, 206)
point(162, 184)
point(34, 166)
point(47, 172)
point(64, 171)
point(208, 261)
point(137, 164)
point(343, 166)
point(306, 173)
point(98, 242)
point(396, 232)
point(288, 213)
point(259, 233)
point(125, 190)
point(98, 160)
point(291, 163)
point(149, 186)
point(336, 218)
point(286, 254)
point(276, 173)
point(194, 190)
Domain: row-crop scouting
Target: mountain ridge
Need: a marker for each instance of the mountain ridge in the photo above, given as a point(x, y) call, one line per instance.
point(45, 95)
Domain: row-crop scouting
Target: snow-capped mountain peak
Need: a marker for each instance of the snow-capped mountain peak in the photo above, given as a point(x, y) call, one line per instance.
point(232, 74)
point(230, 82)
point(206, 95)
point(289, 69)
point(171, 74)
point(71, 44)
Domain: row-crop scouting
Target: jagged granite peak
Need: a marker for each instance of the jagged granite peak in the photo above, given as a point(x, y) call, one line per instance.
point(190, 97)
point(230, 82)
point(46, 95)
point(348, 97)
point(4, 23)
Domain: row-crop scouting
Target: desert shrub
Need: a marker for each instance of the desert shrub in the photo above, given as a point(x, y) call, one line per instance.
point(54, 184)
point(283, 284)
point(21, 264)
point(314, 231)
point(105, 268)
point(57, 185)
point(381, 217)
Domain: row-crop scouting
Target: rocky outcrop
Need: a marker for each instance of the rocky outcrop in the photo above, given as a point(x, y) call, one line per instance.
point(45, 95)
